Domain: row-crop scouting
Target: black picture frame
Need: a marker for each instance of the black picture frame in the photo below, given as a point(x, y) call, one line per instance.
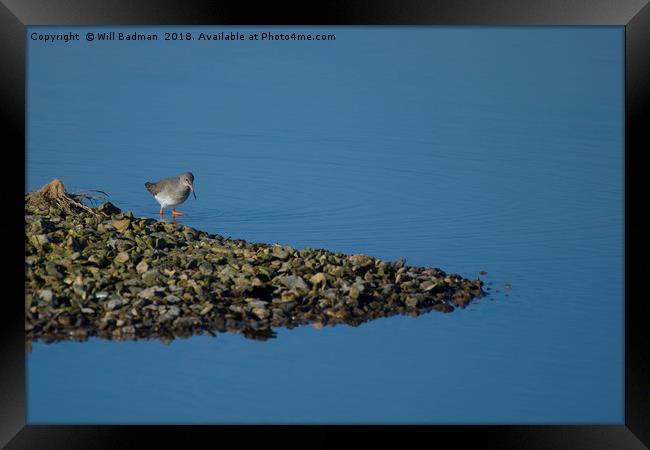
point(634, 15)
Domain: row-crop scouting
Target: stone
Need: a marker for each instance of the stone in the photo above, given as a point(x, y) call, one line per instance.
point(142, 267)
point(109, 209)
point(152, 292)
point(121, 225)
point(122, 257)
point(293, 282)
point(319, 278)
point(151, 277)
point(47, 295)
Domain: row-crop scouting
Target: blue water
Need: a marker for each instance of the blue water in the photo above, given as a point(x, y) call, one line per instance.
point(467, 149)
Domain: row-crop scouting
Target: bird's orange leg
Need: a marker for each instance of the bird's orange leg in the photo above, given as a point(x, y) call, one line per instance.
point(161, 212)
point(175, 213)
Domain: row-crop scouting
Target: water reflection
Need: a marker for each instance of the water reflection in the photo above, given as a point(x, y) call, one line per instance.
point(224, 323)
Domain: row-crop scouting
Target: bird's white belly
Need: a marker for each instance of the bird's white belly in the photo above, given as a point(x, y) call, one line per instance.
point(166, 201)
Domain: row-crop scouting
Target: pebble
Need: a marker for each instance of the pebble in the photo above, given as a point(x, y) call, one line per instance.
point(207, 309)
point(122, 257)
point(47, 295)
point(319, 278)
point(142, 266)
point(151, 276)
point(121, 225)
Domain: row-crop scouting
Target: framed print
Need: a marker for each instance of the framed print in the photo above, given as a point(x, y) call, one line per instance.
point(400, 216)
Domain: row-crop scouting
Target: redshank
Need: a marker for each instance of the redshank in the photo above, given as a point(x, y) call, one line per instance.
point(172, 191)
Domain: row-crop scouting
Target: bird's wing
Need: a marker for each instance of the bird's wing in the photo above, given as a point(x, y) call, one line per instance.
point(153, 188)
point(157, 187)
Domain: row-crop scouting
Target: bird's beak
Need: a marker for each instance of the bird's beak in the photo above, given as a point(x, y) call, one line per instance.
point(192, 189)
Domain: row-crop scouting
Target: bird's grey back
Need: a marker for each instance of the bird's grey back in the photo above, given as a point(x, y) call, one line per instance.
point(155, 188)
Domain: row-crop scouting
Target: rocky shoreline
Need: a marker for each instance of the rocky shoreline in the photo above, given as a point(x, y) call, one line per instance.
point(104, 273)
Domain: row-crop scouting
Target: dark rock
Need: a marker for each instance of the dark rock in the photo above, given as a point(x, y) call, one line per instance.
point(109, 209)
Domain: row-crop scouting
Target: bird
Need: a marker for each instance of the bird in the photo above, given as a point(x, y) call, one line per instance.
point(172, 191)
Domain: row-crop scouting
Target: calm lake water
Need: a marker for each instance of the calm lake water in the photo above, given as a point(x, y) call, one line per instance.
point(467, 149)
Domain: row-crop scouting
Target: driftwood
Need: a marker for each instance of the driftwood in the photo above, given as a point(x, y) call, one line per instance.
point(54, 195)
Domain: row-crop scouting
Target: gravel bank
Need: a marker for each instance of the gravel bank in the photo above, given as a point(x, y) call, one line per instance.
point(101, 272)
